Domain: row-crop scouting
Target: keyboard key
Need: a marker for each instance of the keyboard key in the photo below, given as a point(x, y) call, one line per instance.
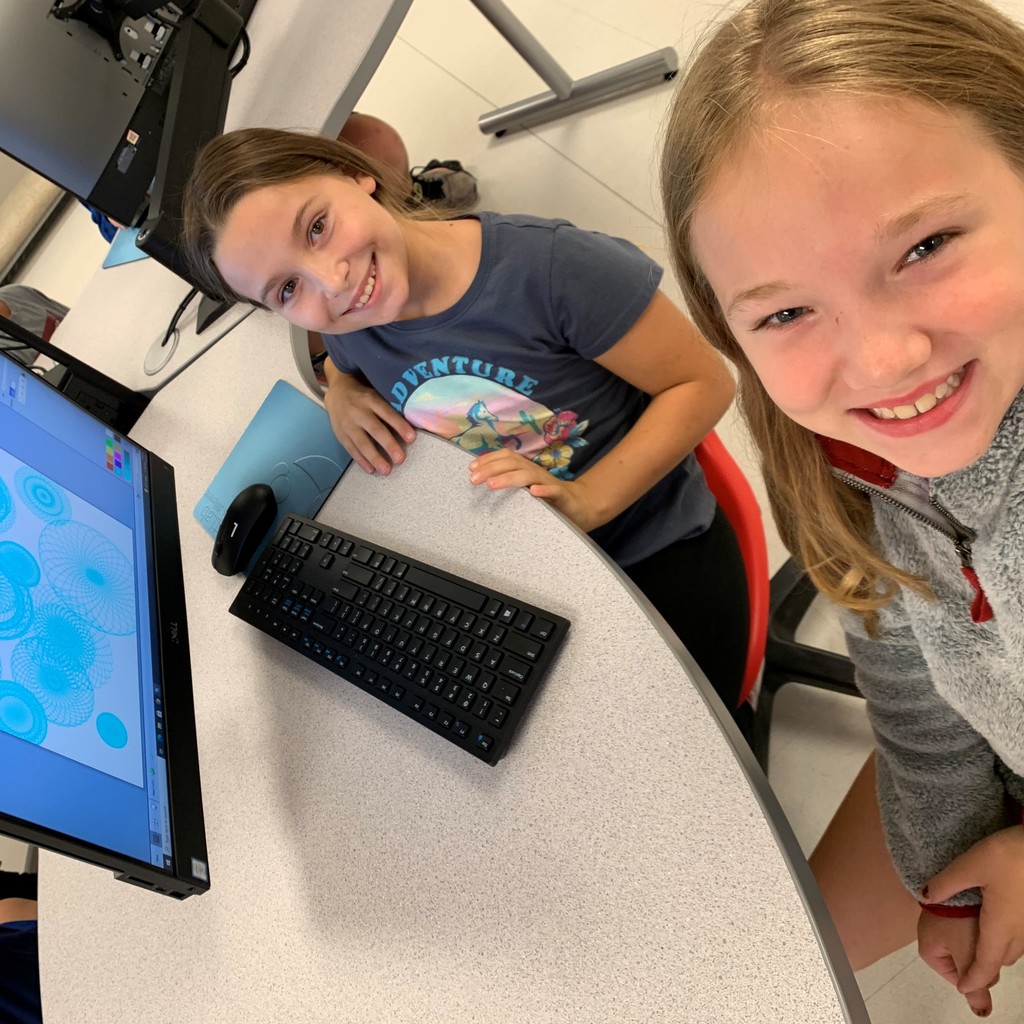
point(460, 728)
point(497, 634)
point(515, 670)
point(452, 693)
point(507, 615)
point(433, 711)
point(543, 629)
point(524, 647)
point(377, 561)
point(506, 693)
point(309, 533)
point(523, 621)
point(327, 561)
point(471, 599)
point(482, 707)
point(493, 608)
point(484, 741)
point(357, 573)
point(498, 716)
point(485, 682)
point(445, 719)
point(362, 554)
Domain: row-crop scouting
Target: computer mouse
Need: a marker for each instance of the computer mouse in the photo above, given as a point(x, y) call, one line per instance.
point(244, 528)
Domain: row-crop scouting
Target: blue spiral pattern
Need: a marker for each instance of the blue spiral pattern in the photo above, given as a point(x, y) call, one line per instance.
point(68, 638)
point(90, 575)
point(18, 565)
point(45, 498)
point(21, 714)
point(16, 610)
point(67, 696)
point(7, 514)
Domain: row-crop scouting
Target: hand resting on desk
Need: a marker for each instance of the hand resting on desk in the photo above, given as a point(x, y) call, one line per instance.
point(366, 425)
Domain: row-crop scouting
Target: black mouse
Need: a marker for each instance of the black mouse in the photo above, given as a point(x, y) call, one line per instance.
point(244, 528)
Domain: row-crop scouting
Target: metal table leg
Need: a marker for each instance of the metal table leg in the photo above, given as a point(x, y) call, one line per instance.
point(565, 95)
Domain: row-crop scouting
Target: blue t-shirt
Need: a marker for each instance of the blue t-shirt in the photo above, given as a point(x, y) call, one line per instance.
point(511, 365)
point(20, 1002)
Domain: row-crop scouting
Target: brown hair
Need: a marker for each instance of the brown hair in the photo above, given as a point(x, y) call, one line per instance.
point(960, 54)
point(231, 166)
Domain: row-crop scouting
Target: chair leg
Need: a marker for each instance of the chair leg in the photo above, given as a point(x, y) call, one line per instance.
point(770, 685)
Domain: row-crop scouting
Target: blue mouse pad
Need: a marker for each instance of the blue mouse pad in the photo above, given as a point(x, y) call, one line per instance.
point(289, 445)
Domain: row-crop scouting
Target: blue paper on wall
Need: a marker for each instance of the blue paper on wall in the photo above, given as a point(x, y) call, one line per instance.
point(289, 445)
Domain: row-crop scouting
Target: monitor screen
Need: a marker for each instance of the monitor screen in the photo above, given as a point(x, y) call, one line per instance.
point(114, 107)
point(97, 733)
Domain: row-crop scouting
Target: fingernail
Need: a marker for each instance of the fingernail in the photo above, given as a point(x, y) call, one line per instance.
point(982, 1013)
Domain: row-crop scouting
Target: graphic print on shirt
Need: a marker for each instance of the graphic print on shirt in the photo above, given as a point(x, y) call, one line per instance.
point(482, 415)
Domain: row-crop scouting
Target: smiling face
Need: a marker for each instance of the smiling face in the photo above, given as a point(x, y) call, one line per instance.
point(318, 250)
point(868, 257)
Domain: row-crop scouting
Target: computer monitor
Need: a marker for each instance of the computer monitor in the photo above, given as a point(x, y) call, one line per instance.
point(113, 107)
point(97, 724)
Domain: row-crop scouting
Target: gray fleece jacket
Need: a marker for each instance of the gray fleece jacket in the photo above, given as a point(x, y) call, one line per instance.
point(945, 694)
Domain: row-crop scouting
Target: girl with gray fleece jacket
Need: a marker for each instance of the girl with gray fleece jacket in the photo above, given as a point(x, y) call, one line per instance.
point(844, 192)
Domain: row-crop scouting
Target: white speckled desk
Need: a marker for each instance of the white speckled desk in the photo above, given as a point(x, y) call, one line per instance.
point(623, 863)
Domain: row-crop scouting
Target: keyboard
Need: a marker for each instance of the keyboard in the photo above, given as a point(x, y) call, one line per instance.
point(463, 660)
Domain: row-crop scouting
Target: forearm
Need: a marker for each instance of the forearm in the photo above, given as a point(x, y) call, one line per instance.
point(669, 429)
point(938, 791)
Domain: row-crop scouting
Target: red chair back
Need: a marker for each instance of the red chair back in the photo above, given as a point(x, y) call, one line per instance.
point(737, 500)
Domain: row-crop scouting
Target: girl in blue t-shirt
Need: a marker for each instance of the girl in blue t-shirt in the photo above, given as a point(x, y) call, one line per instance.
point(549, 353)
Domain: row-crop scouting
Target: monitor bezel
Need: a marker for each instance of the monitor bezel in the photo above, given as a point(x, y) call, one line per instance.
point(173, 663)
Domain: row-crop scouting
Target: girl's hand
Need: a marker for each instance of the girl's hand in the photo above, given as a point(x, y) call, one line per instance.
point(500, 469)
point(996, 866)
point(365, 424)
point(947, 945)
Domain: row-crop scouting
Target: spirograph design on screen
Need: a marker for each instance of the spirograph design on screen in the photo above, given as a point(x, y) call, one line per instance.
point(69, 661)
point(21, 714)
point(45, 498)
point(6, 508)
point(90, 575)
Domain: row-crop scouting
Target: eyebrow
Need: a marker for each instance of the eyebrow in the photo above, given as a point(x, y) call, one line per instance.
point(905, 222)
point(887, 233)
point(298, 230)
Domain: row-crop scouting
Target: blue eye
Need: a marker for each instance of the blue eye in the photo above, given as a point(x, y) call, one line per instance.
point(782, 317)
point(317, 228)
point(926, 247)
point(287, 291)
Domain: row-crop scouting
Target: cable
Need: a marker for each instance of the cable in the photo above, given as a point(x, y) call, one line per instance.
point(244, 59)
point(172, 326)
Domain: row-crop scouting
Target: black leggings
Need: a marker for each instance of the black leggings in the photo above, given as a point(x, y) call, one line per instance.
point(700, 588)
point(15, 885)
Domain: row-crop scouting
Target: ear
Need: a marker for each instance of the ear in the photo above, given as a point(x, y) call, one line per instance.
point(367, 183)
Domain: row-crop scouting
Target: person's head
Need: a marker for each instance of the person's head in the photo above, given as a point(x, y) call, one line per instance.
point(297, 223)
point(843, 189)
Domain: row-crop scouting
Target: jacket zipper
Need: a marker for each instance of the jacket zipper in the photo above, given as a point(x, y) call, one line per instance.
point(962, 536)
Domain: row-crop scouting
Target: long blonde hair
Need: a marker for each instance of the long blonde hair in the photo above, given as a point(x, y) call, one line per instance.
point(960, 54)
point(231, 166)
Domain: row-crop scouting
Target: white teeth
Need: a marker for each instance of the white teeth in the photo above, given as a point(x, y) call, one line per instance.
point(925, 403)
point(368, 290)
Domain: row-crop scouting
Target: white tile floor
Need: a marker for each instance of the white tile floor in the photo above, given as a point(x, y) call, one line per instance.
point(598, 169)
